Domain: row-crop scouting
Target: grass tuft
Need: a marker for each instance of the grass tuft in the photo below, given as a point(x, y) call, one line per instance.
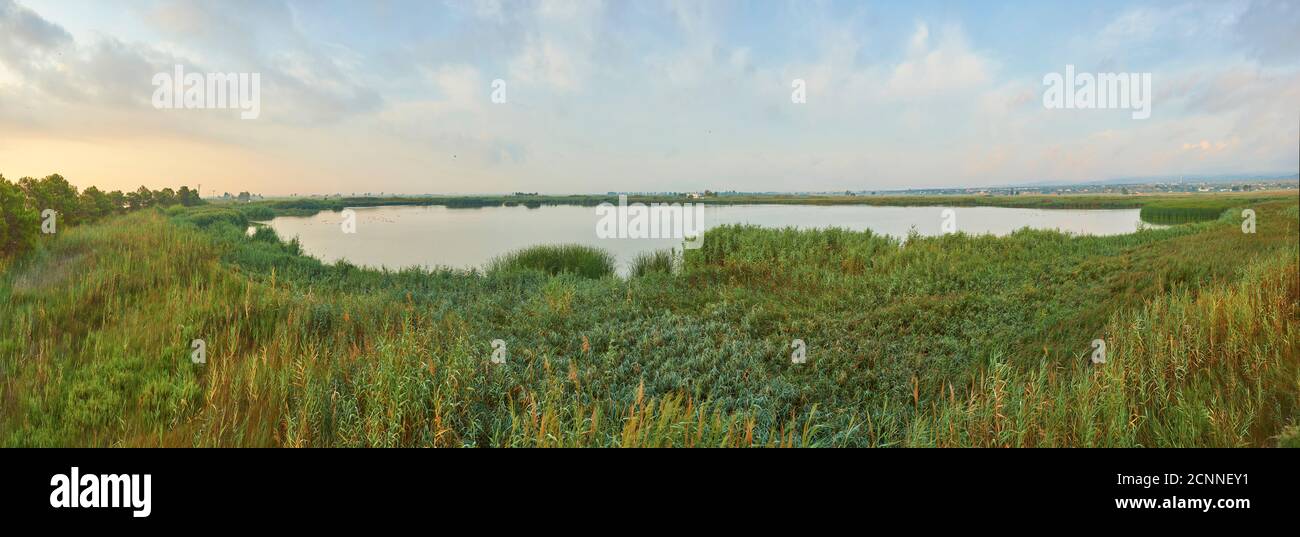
point(1185, 211)
point(584, 261)
point(657, 262)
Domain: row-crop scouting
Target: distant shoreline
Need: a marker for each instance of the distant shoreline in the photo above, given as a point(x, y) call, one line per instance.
point(1205, 203)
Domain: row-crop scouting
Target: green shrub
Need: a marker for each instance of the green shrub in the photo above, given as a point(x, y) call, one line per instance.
point(306, 206)
point(18, 222)
point(256, 212)
point(584, 261)
point(1185, 211)
point(55, 193)
point(265, 234)
point(470, 203)
point(659, 261)
point(208, 216)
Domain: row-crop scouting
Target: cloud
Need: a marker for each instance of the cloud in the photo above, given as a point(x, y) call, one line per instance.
point(1207, 146)
point(22, 29)
point(676, 94)
point(946, 68)
point(547, 63)
point(31, 47)
point(1268, 28)
point(461, 85)
point(305, 81)
point(559, 46)
point(52, 70)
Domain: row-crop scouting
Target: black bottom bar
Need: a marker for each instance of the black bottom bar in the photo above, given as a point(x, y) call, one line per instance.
point(306, 488)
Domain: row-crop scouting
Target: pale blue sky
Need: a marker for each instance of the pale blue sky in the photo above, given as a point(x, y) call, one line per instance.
point(394, 96)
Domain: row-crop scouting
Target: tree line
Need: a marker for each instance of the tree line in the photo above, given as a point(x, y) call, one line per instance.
point(22, 203)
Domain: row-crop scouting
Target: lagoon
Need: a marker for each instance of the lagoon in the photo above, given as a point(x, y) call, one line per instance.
point(396, 237)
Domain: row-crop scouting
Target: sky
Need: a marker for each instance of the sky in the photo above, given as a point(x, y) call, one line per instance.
point(642, 95)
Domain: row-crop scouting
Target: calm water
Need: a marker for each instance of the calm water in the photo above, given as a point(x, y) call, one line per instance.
point(398, 237)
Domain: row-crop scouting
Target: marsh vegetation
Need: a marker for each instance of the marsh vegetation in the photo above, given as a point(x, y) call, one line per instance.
point(952, 340)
